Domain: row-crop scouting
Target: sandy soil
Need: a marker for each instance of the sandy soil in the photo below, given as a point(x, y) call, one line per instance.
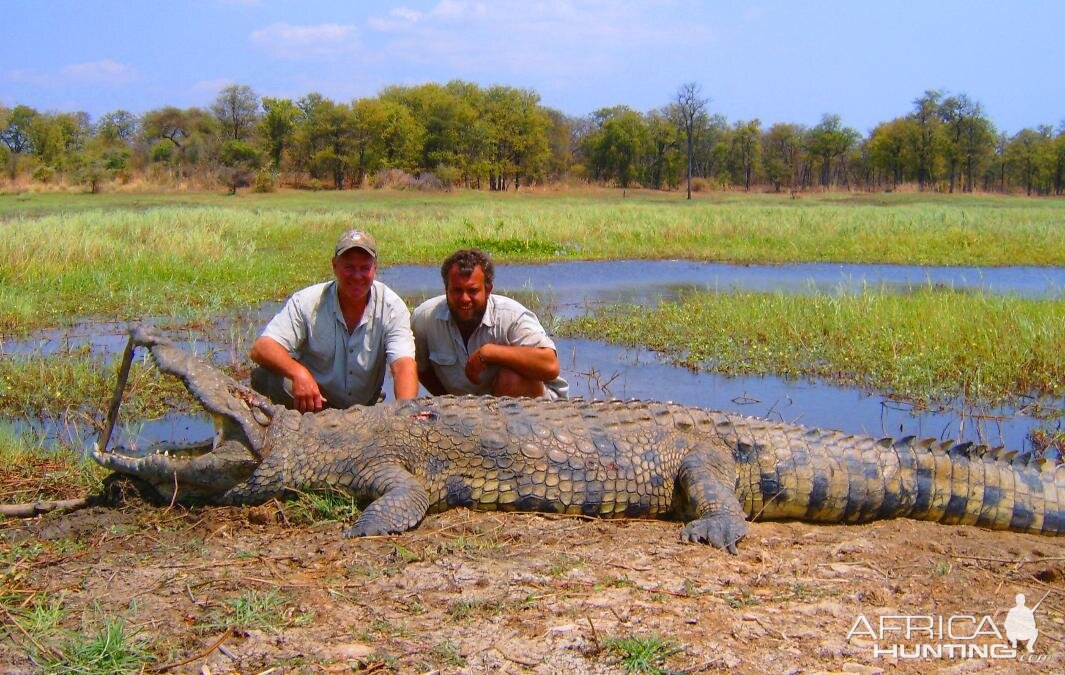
point(513, 593)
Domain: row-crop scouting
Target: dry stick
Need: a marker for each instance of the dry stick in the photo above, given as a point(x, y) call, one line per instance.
point(1025, 561)
point(206, 652)
point(37, 508)
point(116, 398)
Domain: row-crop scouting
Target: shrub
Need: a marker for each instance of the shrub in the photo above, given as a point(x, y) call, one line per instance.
point(393, 179)
point(265, 182)
point(43, 174)
point(700, 184)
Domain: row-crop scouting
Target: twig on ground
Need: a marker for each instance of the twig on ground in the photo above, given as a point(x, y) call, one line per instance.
point(216, 645)
point(32, 509)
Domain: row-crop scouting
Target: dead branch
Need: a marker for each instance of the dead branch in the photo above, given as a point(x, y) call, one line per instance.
point(32, 509)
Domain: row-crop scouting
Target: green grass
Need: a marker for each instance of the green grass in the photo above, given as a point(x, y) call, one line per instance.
point(113, 648)
point(125, 256)
point(317, 508)
point(254, 610)
point(645, 654)
point(31, 472)
point(929, 345)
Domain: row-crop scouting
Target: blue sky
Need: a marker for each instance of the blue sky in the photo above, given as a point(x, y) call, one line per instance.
point(774, 60)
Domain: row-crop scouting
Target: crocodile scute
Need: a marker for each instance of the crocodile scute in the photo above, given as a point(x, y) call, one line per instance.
point(713, 470)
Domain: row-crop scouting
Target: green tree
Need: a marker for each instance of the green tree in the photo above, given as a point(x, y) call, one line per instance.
point(16, 130)
point(118, 126)
point(782, 150)
point(277, 126)
point(239, 161)
point(192, 133)
point(746, 151)
point(385, 134)
point(57, 138)
point(324, 138)
point(664, 160)
point(828, 142)
point(968, 138)
point(889, 146)
point(1029, 158)
point(1058, 160)
point(237, 111)
point(618, 146)
point(927, 141)
point(517, 128)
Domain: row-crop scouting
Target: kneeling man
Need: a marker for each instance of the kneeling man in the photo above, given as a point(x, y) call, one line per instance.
point(469, 341)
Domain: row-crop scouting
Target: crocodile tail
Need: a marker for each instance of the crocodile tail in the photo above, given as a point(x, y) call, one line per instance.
point(812, 475)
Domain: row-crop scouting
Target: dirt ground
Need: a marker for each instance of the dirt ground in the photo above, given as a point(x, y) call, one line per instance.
point(515, 593)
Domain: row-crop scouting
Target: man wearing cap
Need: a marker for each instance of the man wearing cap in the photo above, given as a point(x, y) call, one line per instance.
point(471, 341)
point(328, 346)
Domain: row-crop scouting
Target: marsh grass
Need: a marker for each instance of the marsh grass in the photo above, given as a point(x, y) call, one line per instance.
point(59, 385)
point(30, 472)
point(63, 259)
point(929, 345)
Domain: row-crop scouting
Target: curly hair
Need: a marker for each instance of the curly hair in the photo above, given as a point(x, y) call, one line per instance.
point(467, 259)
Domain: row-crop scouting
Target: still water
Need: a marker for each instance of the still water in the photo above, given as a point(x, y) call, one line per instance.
point(598, 370)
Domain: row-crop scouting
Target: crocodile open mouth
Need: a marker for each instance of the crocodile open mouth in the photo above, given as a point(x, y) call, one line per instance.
point(201, 469)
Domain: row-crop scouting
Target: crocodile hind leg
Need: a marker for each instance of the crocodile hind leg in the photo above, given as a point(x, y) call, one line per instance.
point(707, 486)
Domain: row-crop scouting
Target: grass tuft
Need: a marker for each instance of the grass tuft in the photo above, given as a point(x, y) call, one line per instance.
point(645, 654)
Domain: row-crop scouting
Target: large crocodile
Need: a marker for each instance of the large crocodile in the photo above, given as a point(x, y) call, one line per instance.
point(606, 458)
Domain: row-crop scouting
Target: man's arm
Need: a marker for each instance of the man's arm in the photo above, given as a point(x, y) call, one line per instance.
point(534, 363)
point(404, 378)
point(269, 353)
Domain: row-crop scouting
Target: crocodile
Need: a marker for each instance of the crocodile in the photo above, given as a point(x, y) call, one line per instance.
point(714, 470)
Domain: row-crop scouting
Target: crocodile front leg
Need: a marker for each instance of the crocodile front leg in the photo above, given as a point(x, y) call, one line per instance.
point(707, 481)
point(400, 504)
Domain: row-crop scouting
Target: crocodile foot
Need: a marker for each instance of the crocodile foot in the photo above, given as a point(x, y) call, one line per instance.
point(721, 530)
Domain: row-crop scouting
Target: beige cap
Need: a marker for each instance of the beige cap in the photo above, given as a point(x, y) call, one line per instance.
point(355, 239)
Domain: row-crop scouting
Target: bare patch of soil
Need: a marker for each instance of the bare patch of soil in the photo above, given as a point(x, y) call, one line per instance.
point(514, 593)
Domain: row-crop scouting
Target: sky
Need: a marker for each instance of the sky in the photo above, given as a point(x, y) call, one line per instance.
point(775, 60)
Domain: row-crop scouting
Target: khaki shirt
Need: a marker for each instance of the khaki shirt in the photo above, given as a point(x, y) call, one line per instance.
point(348, 367)
point(439, 344)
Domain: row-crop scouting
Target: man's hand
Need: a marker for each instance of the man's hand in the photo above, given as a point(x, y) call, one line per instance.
point(477, 364)
point(306, 396)
point(305, 393)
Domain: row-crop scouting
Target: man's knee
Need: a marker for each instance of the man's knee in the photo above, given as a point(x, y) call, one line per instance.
point(271, 385)
point(510, 383)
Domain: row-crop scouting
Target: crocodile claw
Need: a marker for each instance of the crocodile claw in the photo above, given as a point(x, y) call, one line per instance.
point(719, 530)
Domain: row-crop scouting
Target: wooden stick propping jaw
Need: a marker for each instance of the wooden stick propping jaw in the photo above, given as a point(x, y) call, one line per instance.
point(116, 399)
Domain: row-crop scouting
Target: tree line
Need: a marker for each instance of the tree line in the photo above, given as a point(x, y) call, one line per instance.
point(497, 138)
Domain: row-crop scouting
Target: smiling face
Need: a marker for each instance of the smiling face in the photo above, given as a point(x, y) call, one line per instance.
point(355, 271)
point(467, 296)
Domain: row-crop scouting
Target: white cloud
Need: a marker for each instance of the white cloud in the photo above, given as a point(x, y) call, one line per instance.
point(105, 72)
point(560, 40)
point(292, 42)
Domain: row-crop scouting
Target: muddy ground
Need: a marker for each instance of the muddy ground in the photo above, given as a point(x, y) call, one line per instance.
point(513, 593)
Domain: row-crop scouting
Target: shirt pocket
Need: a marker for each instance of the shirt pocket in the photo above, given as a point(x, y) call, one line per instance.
point(443, 358)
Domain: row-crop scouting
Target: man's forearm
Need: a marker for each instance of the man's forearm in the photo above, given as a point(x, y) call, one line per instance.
point(405, 378)
point(535, 363)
